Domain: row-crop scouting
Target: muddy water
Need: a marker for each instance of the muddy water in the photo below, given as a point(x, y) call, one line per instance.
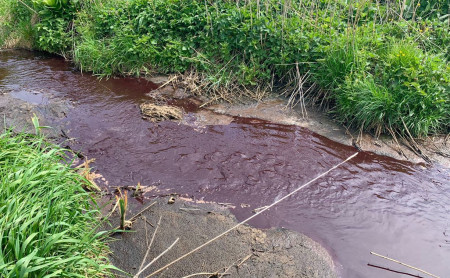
point(373, 203)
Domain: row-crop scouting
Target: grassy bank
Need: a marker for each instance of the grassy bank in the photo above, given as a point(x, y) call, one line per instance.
point(47, 221)
point(378, 65)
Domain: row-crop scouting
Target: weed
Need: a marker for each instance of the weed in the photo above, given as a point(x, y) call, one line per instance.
point(123, 206)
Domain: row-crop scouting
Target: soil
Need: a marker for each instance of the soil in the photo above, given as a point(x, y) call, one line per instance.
point(244, 252)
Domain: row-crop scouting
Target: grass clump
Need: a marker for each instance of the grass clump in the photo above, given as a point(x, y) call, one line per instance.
point(47, 221)
point(402, 88)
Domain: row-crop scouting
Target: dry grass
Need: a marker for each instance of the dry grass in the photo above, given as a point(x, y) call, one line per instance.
point(198, 84)
point(158, 113)
point(84, 170)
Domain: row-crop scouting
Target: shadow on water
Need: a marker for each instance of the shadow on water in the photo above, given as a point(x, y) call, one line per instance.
point(373, 203)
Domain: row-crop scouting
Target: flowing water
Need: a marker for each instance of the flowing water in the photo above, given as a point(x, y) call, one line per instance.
point(372, 203)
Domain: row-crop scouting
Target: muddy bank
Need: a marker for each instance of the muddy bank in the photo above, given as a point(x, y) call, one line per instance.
point(17, 110)
point(437, 148)
point(276, 109)
point(245, 252)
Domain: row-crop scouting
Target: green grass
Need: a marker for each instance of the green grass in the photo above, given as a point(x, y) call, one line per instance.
point(240, 46)
point(15, 27)
point(48, 223)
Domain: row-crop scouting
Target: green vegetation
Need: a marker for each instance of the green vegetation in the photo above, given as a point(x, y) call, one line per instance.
point(47, 221)
point(379, 65)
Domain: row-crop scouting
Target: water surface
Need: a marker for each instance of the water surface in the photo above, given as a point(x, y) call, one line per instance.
point(372, 203)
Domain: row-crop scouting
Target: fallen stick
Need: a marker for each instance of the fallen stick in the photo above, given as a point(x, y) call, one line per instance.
point(205, 273)
point(141, 212)
point(258, 209)
point(150, 244)
point(396, 271)
point(234, 264)
point(407, 265)
point(253, 216)
point(112, 211)
point(159, 256)
point(244, 260)
point(190, 209)
point(149, 223)
point(146, 231)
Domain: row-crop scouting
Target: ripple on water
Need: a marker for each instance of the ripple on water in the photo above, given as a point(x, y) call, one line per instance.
point(373, 203)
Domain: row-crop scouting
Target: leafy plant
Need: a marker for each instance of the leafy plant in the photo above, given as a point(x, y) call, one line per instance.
point(48, 223)
point(233, 47)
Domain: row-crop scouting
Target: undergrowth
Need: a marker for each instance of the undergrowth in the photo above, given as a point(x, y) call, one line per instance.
point(343, 54)
point(48, 222)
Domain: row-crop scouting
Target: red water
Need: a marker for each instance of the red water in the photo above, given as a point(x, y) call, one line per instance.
point(372, 203)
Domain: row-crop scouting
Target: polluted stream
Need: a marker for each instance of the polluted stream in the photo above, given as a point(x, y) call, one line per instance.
point(372, 203)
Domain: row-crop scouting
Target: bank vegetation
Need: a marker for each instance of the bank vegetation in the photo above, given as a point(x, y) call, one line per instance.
point(49, 223)
point(382, 66)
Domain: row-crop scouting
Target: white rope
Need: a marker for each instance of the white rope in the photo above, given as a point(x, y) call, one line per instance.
point(253, 216)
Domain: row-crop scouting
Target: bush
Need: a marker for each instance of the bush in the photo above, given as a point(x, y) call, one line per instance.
point(259, 44)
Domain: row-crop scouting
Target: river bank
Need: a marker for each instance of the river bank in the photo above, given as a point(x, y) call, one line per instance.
point(432, 149)
point(244, 252)
point(380, 67)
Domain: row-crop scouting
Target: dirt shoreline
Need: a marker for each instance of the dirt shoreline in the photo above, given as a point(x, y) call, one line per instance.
point(244, 252)
point(433, 149)
point(436, 148)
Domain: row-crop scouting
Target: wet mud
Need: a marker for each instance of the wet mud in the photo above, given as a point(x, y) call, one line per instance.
point(373, 203)
point(434, 149)
point(244, 252)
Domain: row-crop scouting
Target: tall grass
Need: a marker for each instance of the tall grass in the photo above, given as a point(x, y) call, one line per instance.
point(15, 27)
point(309, 49)
point(47, 221)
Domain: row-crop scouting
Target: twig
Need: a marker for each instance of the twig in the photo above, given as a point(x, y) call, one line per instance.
point(407, 265)
point(28, 7)
point(148, 222)
point(142, 211)
point(159, 256)
point(258, 209)
point(234, 263)
point(190, 209)
point(151, 242)
point(112, 211)
point(395, 271)
point(244, 260)
point(414, 146)
point(168, 82)
point(146, 231)
point(254, 215)
point(206, 273)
